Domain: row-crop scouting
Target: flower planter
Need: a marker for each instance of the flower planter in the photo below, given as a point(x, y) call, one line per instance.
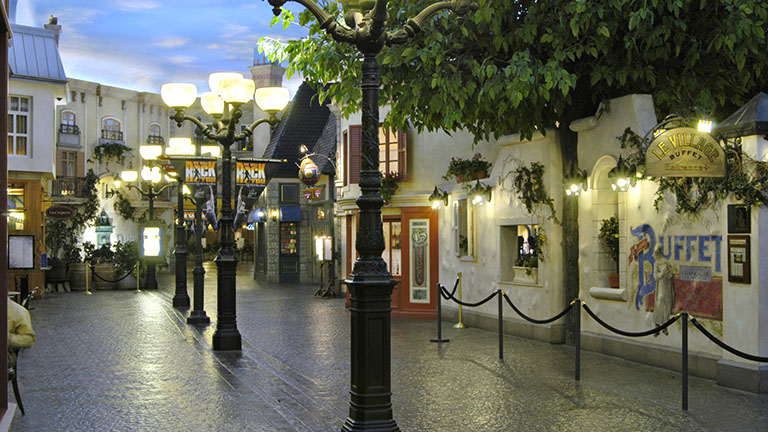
point(613, 280)
point(76, 275)
point(106, 271)
point(474, 176)
point(525, 274)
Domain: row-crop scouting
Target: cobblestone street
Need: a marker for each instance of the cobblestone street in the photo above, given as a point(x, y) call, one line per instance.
point(125, 361)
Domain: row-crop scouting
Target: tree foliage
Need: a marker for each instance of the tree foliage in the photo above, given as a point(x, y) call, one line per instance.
point(527, 65)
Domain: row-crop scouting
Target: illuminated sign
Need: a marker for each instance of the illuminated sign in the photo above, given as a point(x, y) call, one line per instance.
point(151, 241)
point(200, 172)
point(251, 173)
point(684, 152)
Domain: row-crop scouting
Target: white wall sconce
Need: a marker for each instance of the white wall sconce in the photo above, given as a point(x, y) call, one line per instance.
point(622, 176)
point(480, 193)
point(438, 198)
point(576, 182)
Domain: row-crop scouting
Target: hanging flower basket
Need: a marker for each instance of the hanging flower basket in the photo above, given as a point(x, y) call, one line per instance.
point(464, 170)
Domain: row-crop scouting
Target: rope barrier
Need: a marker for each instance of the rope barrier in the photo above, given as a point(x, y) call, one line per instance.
point(626, 333)
point(93, 271)
point(725, 346)
point(535, 321)
point(455, 286)
point(481, 302)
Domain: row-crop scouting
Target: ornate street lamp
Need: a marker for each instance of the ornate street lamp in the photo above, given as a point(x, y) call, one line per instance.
point(370, 283)
point(229, 91)
point(151, 175)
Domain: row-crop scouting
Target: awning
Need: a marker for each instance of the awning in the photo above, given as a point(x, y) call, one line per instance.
point(290, 214)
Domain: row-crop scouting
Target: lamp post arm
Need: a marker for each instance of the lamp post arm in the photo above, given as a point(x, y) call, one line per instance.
point(413, 26)
point(152, 194)
point(247, 132)
point(327, 21)
point(179, 117)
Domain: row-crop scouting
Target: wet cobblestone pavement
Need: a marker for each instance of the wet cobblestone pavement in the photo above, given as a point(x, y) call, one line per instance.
point(121, 361)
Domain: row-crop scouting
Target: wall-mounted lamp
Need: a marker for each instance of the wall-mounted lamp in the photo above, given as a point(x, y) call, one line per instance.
point(622, 176)
point(576, 182)
point(438, 198)
point(705, 125)
point(260, 214)
point(480, 192)
point(274, 215)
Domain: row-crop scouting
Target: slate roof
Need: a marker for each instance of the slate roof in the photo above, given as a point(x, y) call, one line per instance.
point(306, 122)
point(33, 54)
point(750, 119)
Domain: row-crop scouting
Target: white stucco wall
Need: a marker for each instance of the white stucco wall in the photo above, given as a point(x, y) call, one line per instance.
point(41, 149)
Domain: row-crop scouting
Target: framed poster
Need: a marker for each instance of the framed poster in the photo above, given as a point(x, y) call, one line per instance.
point(739, 219)
point(21, 251)
point(738, 259)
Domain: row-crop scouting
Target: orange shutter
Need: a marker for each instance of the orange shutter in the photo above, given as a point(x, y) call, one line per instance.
point(80, 164)
point(59, 160)
point(344, 158)
point(355, 144)
point(402, 156)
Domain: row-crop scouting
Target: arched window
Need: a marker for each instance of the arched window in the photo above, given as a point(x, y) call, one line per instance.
point(68, 118)
point(110, 129)
point(154, 130)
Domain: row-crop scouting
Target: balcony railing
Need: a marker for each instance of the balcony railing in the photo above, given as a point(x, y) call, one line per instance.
point(69, 129)
point(70, 187)
point(111, 135)
point(155, 139)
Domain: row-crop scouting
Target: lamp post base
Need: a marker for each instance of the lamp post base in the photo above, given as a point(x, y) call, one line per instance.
point(227, 340)
point(198, 317)
point(368, 426)
point(151, 283)
point(181, 301)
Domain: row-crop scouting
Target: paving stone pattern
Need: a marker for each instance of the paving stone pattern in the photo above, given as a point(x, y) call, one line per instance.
point(122, 361)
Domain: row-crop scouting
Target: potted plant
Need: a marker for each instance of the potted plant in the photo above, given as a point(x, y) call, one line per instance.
point(609, 240)
point(467, 169)
point(102, 263)
point(389, 185)
point(126, 257)
point(526, 268)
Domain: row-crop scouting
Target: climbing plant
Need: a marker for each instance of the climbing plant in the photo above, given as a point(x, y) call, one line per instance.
point(109, 151)
point(529, 185)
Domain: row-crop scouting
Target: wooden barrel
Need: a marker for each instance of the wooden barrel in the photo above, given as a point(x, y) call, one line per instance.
point(76, 276)
point(106, 271)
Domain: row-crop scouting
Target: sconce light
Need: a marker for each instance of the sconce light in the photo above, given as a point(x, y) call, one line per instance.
point(480, 192)
point(705, 125)
point(622, 176)
point(438, 198)
point(274, 215)
point(260, 214)
point(576, 182)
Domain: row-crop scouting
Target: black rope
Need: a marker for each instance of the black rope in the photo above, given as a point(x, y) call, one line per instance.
point(535, 321)
point(726, 347)
point(93, 271)
point(481, 302)
point(630, 334)
point(455, 286)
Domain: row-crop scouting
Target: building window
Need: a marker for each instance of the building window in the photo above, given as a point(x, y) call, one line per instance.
point(68, 123)
point(519, 252)
point(392, 250)
point(392, 153)
point(289, 193)
point(16, 207)
point(463, 228)
point(154, 130)
point(110, 129)
point(68, 161)
point(18, 125)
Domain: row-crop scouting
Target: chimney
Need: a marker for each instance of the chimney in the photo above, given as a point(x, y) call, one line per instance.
point(53, 24)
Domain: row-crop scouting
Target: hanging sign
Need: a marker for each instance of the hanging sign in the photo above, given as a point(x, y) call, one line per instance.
point(684, 152)
point(189, 215)
point(200, 172)
point(308, 172)
point(59, 212)
point(313, 193)
point(251, 173)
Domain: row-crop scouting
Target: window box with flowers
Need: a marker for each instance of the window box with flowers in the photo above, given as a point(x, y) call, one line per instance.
point(389, 185)
point(464, 170)
point(609, 240)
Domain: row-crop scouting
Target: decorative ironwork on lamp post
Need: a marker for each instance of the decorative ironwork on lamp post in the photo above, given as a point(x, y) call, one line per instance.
point(370, 283)
point(229, 91)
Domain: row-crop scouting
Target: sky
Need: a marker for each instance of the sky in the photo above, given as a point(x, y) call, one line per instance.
point(141, 44)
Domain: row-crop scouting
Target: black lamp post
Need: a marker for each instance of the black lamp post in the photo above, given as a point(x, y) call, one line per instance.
point(198, 315)
point(370, 283)
point(152, 176)
point(231, 92)
point(181, 298)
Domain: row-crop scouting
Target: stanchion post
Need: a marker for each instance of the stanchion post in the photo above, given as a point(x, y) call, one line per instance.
point(685, 360)
point(577, 341)
point(460, 324)
point(87, 279)
point(138, 277)
point(439, 318)
point(501, 325)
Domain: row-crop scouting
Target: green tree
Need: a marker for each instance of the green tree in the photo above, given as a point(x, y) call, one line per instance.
point(538, 65)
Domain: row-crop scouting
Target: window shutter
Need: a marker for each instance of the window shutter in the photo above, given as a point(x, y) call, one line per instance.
point(355, 145)
point(80, 164)
point(402, 156)
point(59, 161)
point(456, 219)
point(345, 158)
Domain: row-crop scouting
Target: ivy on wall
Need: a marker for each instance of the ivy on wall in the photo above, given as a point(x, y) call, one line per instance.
point(124, 208)
point(529, 185)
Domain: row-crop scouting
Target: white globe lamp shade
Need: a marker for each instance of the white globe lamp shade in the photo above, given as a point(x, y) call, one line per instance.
point(215, 78)
point(146, 173)
point(210, 150)
point(129, 176)
point(179, 146)
point(178, 95)
point(150, 151)
point(212, 103)
point(272, 99)
point(185, 190)
point(236, 91)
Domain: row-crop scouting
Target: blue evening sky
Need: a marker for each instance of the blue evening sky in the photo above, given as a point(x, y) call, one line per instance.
point(141, 44)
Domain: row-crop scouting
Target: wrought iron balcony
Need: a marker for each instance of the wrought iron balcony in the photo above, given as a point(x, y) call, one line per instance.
point(69, 129)
point(111, 135)
point(69, 187)
point(155, 139)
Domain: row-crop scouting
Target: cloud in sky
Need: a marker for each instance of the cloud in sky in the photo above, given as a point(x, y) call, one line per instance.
point(135, 5)
point(172, 42)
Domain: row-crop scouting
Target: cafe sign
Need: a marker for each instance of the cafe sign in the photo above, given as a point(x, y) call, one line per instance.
point(200, 172)
point(251, 174)
point(59, 212)
point(684, 152)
